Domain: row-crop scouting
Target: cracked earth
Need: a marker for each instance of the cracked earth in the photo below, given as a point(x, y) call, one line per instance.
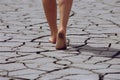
point(94, 42)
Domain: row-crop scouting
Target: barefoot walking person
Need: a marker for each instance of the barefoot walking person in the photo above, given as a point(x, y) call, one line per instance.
point(58, 35)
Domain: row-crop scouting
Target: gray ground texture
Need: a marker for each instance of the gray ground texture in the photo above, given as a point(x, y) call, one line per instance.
point(94, 42)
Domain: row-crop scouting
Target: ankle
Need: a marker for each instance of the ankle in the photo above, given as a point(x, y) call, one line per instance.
point(63, 31)
point(54, 32)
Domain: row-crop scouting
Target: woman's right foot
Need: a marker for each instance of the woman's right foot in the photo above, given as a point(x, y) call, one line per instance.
point(52, 40)
point(61, 40)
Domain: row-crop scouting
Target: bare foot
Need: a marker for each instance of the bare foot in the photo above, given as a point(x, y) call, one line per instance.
point(53, 37)
point(61, 41)
point(52, 40)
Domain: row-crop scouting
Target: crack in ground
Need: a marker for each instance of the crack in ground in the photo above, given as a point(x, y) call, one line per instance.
point(88, 59)
point(115, 55)
point(65, 76)
point(51, 71)
point(16, 57)
point(101, 77)
point(14, 78)
point(7, 39)
point(9, 62)
point(39, 38)
point(18, 46)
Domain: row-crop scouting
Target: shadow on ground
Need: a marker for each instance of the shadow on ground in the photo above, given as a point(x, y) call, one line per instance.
point(97, 51)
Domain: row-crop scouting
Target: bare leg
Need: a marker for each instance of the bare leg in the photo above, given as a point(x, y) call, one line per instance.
point(65, 7)
point(50, 9)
